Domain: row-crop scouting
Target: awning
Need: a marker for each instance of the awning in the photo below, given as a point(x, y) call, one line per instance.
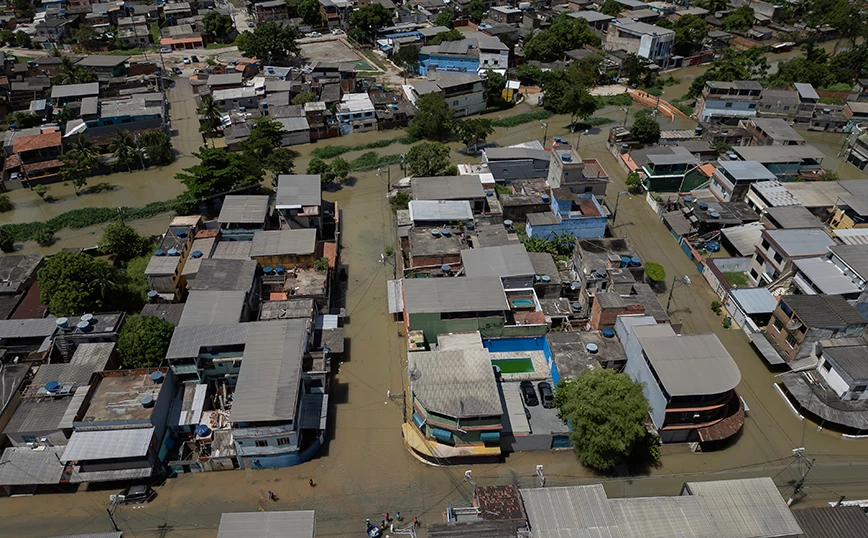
point(108, 444)
point(765, 348)
point(395, 291)
point(490, 437)
point(442, 435)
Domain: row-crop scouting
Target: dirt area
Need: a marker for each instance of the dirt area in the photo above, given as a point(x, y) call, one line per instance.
point(335, 50)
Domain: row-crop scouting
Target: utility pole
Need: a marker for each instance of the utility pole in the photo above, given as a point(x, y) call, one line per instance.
point(545, 132)
point(684, 280)
point(800, 483)
point(112, 517)
point(617, 201)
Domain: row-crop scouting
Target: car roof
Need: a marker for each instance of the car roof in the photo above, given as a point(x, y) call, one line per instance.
point(137, 489)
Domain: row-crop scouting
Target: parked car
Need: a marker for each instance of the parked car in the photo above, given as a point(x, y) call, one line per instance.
point(176, 70)
point(337, 31)
point(195, 59)
point(545, 391)
point(134, 495)
point(526, 412)
point(186, 60)
point(165, 50)
point(314, 34)
point(529, 394)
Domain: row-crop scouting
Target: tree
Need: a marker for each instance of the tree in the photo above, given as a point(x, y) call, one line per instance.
point(122, 240)
point(565, 33)
point(635, 69)
point(750, 64)
point(433, 118)
point(218, 172)
point(79, 162)
point(655, 272)
point(611, 8)
point(444, 18)
point(280, 161)
point(70, 73)
point(309, 12)
point(633, 181)
point(606, 412)
point(265, 136)
point(41, 191)
point(473, 131)
point(451, 35)
point(339, 169)
point(529, 75)
point(157, 146)
point(713, 5)
point(318, 167)
point(304, 97)
point(400, 201)
point(78, 283)
point(690, 32)
point(579, 104)
point(371, 18)
point(494, 88)
point(123, 148)
point(44, 237)
point(407, 58)
point(474, 10)
point(23, 40)
point(26, 120)
point(827, 175)
point(210, 111)
point(64, 114)
point(23, 9)
point(645, 128)
point(269, 41)
point(218, 24)
point(427, 159)
point(144, 341)
point(741, 19)
point(84, 35)
point(6, 203)
point(7, 240)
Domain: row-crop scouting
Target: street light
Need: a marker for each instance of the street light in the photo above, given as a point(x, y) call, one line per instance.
point(615, 212)
point(657, 106)
point(684, 280)
point(545, 132)
point(626, 113)
point(579, 139)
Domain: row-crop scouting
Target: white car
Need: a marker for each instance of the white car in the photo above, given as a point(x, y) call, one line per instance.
point(165, 50)
point(315, 34)
point(186, 60)
point(337, 31)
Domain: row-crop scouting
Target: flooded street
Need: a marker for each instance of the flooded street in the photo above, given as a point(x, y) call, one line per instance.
point(364, 470)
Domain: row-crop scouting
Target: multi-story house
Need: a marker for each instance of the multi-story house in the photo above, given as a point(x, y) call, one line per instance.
point(771, 132)
point(731, 180)
point(599, 265)
point(857, 145)
point(728, 102)
point(689, 380)
point(567, 169)
point(460, 56)
point(785, 162)
point(778, 104)
point(464, 93)
point(356, 114)
point(273, 10)
point(778, 248)
point(808, 102)
point(577, 214)
point(336, 13)
point(646, 40)
point(801, 320)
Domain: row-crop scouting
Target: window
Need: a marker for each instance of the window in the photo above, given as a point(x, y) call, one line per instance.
point(728, 105)
point(778, 258)
point(754, 274)
point(791, 341)
point(787, 107)
point(261, 443)
point(589, 189)
point(859, 388)
point(29, 438)
point(827, 366)
point(282, 441)
point(778, 325)
point(752, 105)
point(765, 245)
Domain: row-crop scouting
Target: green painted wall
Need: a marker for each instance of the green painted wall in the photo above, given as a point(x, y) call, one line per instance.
point(458, 438)
point(432, 325)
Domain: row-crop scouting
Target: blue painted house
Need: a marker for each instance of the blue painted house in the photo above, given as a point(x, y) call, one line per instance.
point(578, 214)
point(452, 56)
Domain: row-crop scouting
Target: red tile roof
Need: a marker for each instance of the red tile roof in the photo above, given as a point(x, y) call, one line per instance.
point(40, 141)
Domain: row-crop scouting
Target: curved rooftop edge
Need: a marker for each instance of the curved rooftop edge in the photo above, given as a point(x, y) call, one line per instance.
point(820, 402)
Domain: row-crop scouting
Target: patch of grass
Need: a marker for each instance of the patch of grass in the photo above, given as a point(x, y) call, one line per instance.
point(831, 101)
point(839, 87)
point(328, 152)
point(594, 122)
point(212, 46)
point(371, 161)
point(622, 99)
point(127, 52)
point(520, 119)
point(736, 279)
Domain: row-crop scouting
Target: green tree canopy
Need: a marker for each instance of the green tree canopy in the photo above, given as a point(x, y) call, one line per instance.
point(23, 40)
point(219, 171)
point(427, 159)
point(309, 12)
point(606, 412)
point(444, 18)
point(690, 32)
point(84, 34)
point(407, 58)
point(70, 73)
point(473, 131)
point(741, 19)
point(269, 42)
point(218, 24)
point(433, 118)
point(451, 35)
point(78, 283)
point(611, 8)
point(655, 272)
point(123, 149)
point(371, 18)
point(265, 136)
point(750, 64)
point(475, 10)
point(713, 5)
point(144, 341)
point(157, 146)
point(79, 162)
point(7, 240)
point(565, 33)
point(304, 97)
point(494, 87)
point(122, 240)
point(645, 128)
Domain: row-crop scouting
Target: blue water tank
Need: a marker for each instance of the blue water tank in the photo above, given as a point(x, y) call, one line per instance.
point(445, 268)
point(202, 430)
point(147, 400)
point(703, 206)
point(591, 348)
point(546, 279)
point(280, 269)
point(62, 322)
point(156, 377)
point(153, 294)
point(608, 333)
point(435, 232)
point(712, 246)
point(173, 252)
point(446, 232)
point(578, 285)
point(83, 326)
point(507, 224)
point(268, 270)
point(52, 386)
point(635, 261)
point(545, 198)
point(181, 233)
point(196, 254)
point(625, 261)
point(577, 306)
point(688, 199)
point(88, 318)
point(159, 252)
point(470, 226)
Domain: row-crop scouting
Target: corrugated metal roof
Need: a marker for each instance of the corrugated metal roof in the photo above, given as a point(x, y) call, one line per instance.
point(74, 90)
point(447, 188)
point(824, 310)
point(296, 191)
point(97, 353)
point(852, 359)
point(458, 383)
point(576, 511)
point(806, 90)
point(267, 388)
point(745, 508)
point(38, 416)
point(438, 295)
point(298, 524)
point(826, 276)
point(690, 364)
point(188, 341)
point(440, 210)
point(801, 242)
point(20, 466)
point(395, 294)
point(502, 261)
point(283, 242)
point(244, 209)
point(755, 300)
point(663, 517)
point(162, 265)
point(744, 238)
point(232, 250)
point(224, 275)
point(213, 307)
point(832, 522)
point(27, 328)
point(108, 444)
point(855, 256)
point(746, 170)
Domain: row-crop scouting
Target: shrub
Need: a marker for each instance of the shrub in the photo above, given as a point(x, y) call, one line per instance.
point(44, 237)
point(7, 241)
point(716, 307)
point(6, 204)
point(322, 264)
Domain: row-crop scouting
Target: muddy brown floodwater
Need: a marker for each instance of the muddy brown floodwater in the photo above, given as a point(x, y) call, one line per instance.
point(364, 470)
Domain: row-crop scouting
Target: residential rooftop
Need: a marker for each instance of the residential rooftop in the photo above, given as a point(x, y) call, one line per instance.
point(244, 209)
point(224, 275)
point(118, 396)
point(458, 383)
point(504, 261)
point(796, 242)
point(297, 191)
point(463, 294)
point(440, 210)
point(447, 188)
point(823, 310)
point(283, 242)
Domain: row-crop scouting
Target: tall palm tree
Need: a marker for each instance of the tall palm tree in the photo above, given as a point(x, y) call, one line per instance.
point(69, 73)
point(210, 111)
point(83, 145)
point(123, 147)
